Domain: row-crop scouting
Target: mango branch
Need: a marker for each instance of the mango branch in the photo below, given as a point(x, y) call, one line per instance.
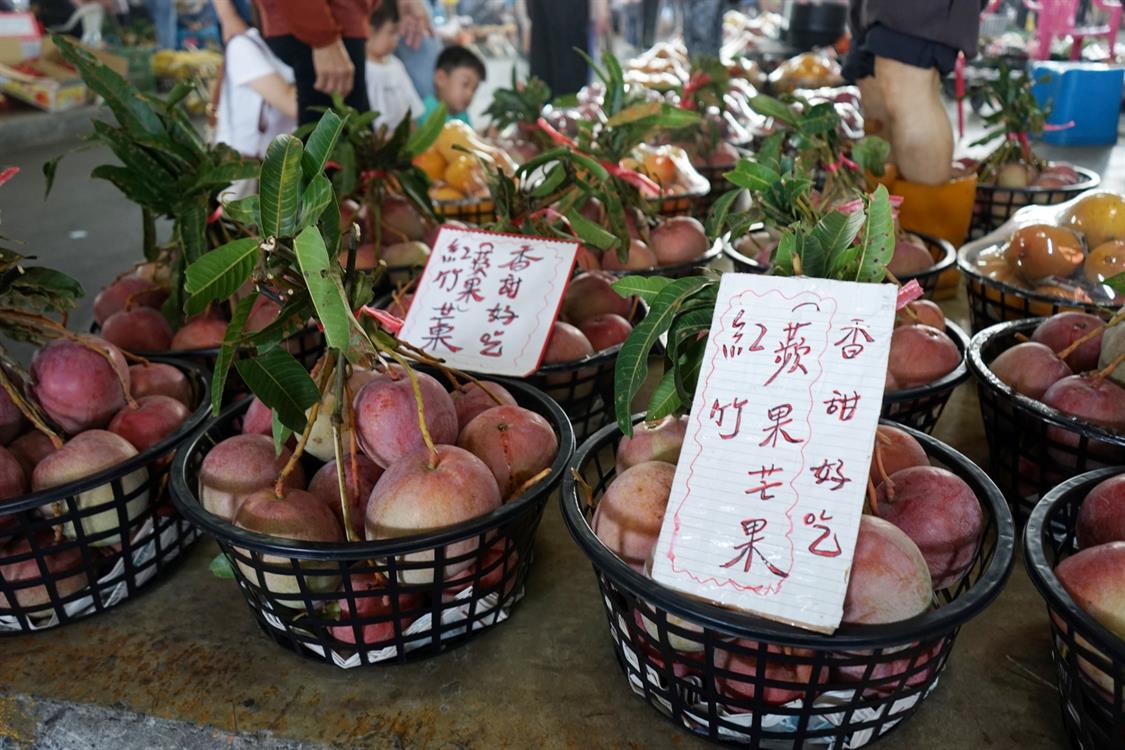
point(341, 393)
point(322, 376)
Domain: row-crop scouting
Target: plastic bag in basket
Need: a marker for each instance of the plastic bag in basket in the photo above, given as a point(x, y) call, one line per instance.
point(669, 167)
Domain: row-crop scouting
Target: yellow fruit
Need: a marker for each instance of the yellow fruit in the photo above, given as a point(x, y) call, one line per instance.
point(1104, 261)
point(1101, 217)
point(661, 168)
point(456, 134)
point(446, 193)
point(431, 162)
point(465, 175)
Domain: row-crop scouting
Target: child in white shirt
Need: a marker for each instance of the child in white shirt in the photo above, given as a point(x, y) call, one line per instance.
point(258, 100)
point(389, 89)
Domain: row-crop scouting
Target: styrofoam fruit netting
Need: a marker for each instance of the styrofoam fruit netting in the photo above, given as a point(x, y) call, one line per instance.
point(174, 539)
point(698, 722)
point(487, 615)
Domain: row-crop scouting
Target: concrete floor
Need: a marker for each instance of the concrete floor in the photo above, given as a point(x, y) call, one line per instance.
point(184, 665)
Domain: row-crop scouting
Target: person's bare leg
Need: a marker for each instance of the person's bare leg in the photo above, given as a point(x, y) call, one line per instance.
point(920, 132)
point(874, 110)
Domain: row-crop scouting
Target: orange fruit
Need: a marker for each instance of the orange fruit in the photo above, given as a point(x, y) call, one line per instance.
point(1100, 216)
point(465, 175)
point(1104, 261)
point(661, 168)
point(446, 193)
point(1040, 250)
point(431, 162)
point(455, 134)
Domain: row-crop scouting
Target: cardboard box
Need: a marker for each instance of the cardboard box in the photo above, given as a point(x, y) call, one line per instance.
point(48, 81)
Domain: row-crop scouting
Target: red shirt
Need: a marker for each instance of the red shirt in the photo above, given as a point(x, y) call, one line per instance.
point(317, 23)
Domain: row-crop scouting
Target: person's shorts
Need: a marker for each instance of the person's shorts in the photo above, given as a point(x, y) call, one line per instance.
point(880, 41)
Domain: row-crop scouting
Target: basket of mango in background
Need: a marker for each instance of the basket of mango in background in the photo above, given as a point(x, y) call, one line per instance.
point(457, 165)
point(677, 188)
point(1047, 260)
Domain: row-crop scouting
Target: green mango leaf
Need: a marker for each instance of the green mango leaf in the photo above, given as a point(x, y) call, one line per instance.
point(126, 103)
point(243, 211)
point(665, 400)
point(282, 384)
point(555, 177)
point(782, 261)
point(754, 177)
point(322, 276)
point(317, 197)
point(220, 567)
point(590, 232)
point(716, 223)
point(219, 273)
point(877, 243)
point(689, 362)
point(632, 361)
point(228, 349)
point(648, 288)
point(346, 178)
point(320, 144)
point(329, 225)
point(769, 154)
point(223, 175)
point(871, 154)
point(818, 119)
point(136, 158)
point(428, 132)
point(835, 232)
point(191, 229)
point(280, 432)
point(134, 189)
point(1116, 283)
point(279, 187)
point(775, 108)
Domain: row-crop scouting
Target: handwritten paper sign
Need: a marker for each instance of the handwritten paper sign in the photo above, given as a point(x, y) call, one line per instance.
point(486, 301)
point(768, 492)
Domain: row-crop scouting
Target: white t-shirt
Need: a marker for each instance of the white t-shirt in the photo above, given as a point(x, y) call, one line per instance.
point(390, 92)
point(245, 121)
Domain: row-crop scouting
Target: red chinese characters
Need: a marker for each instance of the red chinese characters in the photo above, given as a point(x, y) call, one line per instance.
point(822, 546)
point(842, 405)
point(855, 337)
point(764, 485)
point(752, 529)
point(441, 330)
point(779, 419)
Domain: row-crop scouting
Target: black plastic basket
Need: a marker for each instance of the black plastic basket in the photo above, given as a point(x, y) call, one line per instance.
point(483, 579)
point(943, 252)
point(1082, 648)
point(921, 407)
point(995, 205)
point(992, 302)
point(66, 554)
point(1032, 447)
point(876, 675)
point(473, 211)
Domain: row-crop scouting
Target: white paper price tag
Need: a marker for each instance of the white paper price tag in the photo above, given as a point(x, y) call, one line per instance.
point(766, 502)
point(486, 301)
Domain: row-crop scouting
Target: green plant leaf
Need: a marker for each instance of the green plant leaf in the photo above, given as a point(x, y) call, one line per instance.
point(280, 186)
point(716, 223)
point(428, 132)
point(228, 349)
point(322, 276)
point(220, 567)
point(665, 400)
point(753, 176)
point(282, 384)
point(191, 228)
point(1116, 283)
point(836, 231)
point(775, 108)
point(320, 144)
point(877, 243)
point(590, 232)
point(126, 103)
point(243, 211)
point(317, 197)
point(280, 432)
point(782, 262)
point(219, 273)
point(648, 288)
point(136, 191)
point(818, 119)
point(871, 154)
point(632, 361)
point(223, 175)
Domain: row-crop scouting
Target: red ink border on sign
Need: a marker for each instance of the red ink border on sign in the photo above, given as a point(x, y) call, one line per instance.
point(676, 523)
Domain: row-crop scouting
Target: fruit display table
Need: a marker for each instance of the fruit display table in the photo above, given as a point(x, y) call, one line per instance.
point(187, 651)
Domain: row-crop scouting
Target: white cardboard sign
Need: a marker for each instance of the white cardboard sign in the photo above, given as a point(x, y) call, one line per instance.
point(486, 302)
point(768, 493)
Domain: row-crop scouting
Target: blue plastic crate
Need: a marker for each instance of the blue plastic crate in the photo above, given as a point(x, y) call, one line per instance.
point(1087, 94)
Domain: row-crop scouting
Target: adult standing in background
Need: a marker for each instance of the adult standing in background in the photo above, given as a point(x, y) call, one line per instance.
point(703, 27)
point(557, 29)
point(324, 41)
point(420, 54)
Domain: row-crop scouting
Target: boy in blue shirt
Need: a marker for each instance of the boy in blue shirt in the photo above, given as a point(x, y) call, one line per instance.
point(457, 75)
